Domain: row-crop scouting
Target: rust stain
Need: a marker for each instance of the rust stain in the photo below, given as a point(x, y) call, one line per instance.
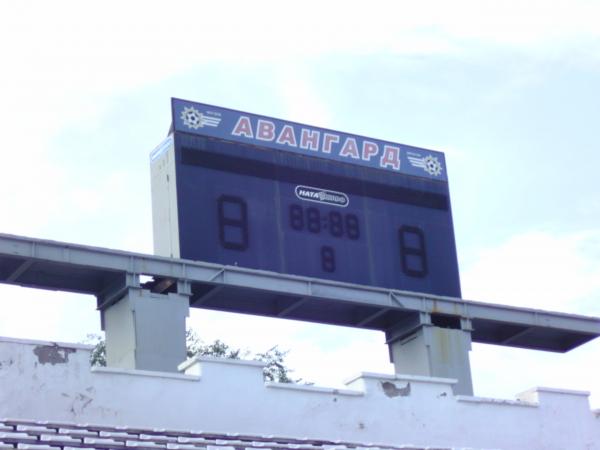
point(444, 340)
point(53, 354)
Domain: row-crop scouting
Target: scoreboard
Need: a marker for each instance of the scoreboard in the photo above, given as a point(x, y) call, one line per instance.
point(241, 189)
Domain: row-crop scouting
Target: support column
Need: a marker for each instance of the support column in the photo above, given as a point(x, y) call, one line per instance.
point(146, 330)
point(440, 349)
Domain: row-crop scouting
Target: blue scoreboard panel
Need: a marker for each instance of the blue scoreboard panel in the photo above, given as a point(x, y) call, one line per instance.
point(240, 189)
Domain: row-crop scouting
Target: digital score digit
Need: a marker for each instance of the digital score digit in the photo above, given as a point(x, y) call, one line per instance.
point(234, 188)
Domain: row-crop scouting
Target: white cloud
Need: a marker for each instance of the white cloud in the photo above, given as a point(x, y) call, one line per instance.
point(503, 372)
point(323, 354)
point(554, 272)
point(46, 315)
point(301, 102)
point(539, 270)
point(70, 45)
point(63, 61)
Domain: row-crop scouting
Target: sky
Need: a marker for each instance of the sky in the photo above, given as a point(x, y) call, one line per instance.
point(508, 90)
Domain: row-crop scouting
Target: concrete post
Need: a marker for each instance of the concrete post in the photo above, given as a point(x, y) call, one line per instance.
point(146, 331)
point(417, 347)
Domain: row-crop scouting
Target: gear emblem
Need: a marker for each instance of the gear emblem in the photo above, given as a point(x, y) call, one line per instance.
point(192, 118)
point(432, 165)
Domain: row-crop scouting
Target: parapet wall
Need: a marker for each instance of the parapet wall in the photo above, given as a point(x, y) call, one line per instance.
point(45, 381)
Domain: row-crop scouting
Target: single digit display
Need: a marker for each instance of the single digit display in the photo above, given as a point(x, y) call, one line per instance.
point(233, 222)
point(271, 195)
point(413, 256)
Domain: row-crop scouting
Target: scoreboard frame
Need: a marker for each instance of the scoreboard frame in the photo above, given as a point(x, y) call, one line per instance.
point(236, 188)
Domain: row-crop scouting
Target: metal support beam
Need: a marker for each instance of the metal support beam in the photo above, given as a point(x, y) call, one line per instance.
point(197, 301)
point(14, 276)
point(108, 274)
point(419, 348)
point(371, 317)
point(287, 310)
point(146, 331)
point(115, 290)
point(516, 336)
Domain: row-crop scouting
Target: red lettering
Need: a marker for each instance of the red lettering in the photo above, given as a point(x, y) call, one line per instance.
point(243, 128)
point(287, 136)
point(328, 141)
point(391, 157)
point(265, 130)
point(350, 149)
point(369, 149)
point(309, 139)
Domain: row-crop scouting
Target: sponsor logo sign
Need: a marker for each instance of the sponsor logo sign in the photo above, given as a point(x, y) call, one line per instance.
point(428, 163)
point(314, 194)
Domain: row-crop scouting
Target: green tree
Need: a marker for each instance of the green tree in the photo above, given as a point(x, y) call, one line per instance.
point(276, 368)
point(98, 355)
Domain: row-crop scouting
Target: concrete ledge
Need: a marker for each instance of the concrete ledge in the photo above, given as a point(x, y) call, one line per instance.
point(316, 389)
point(232, 397)
point(560, 391)
point(12, 340)
point(496, 401)
point(144, 373)
point(226, 371)
point(401, 377)
point(558, 400)
point(213, 359)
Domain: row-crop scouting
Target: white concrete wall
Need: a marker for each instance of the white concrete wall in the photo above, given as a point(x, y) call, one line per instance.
point(49, 382)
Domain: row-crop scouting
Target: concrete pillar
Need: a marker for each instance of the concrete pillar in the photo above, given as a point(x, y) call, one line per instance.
point(146, 331)
point(417, 347)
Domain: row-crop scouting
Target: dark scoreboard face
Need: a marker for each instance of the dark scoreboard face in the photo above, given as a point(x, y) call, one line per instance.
point(245, 204)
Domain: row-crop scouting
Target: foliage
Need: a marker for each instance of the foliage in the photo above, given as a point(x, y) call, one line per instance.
point(218, 348)
point(275, 369)
point(98, 355)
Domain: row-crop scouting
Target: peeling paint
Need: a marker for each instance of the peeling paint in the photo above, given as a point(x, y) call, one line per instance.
point(71, 392)
point(391, 390)
point(53, 354)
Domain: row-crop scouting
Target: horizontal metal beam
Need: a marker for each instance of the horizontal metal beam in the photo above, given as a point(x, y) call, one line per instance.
point(91, 270)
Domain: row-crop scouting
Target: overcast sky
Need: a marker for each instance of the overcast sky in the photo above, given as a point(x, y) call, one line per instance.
point(509, 90)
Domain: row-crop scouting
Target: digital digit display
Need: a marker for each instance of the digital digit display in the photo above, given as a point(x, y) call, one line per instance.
point(337, 224)
point(339, 207)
